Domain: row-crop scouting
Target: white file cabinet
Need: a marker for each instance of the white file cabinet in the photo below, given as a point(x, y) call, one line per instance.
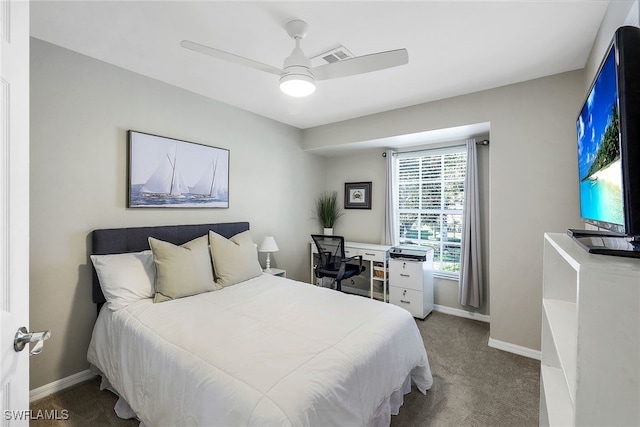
point(411, 285)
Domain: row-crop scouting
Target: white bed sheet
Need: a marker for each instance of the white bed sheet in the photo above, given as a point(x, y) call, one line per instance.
point(268, 351)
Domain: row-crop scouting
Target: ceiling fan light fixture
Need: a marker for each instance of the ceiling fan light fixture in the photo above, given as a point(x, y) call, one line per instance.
point(297, 77)
point(298, 85)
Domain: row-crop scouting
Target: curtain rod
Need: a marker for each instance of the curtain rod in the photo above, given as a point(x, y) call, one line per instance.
point(483, 142)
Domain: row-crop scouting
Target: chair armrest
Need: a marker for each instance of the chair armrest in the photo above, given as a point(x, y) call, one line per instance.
point(345, 260)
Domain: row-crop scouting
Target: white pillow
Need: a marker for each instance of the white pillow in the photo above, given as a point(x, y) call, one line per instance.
point(125, 278)
point(234, 260)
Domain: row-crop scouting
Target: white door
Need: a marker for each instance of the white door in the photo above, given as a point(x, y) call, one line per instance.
point(14, 208)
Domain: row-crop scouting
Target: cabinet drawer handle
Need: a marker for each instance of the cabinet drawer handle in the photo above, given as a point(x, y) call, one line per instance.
point(369, 254)
point(405, 302)
point(404, 275)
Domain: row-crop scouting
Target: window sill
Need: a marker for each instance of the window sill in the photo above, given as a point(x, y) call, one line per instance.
point(446, 276)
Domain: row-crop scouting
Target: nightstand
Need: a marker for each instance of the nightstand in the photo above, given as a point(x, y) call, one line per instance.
point(276, 272)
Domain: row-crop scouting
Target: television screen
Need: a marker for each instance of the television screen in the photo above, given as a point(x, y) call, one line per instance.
point(599, 160)
point(608, 130)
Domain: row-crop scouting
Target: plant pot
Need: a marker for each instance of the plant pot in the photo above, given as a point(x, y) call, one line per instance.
point(328, 232)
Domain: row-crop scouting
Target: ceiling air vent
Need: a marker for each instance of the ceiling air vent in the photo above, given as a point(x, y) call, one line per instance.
point(334, 55)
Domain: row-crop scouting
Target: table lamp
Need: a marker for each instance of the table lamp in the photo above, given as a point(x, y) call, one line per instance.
point(268, 245)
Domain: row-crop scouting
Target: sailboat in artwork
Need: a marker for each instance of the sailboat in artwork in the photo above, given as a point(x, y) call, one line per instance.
point(167, 179)
point(206, 185)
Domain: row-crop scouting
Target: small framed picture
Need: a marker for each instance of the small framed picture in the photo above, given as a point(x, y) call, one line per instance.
point(357, 195)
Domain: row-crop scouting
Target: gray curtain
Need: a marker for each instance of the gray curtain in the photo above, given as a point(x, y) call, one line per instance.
point(390, 230)
point(471, 289)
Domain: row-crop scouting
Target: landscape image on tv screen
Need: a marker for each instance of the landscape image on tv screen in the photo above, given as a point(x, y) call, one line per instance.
point(599, 164)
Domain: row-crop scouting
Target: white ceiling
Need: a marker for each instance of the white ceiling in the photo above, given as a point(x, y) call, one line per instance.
point(455, 47)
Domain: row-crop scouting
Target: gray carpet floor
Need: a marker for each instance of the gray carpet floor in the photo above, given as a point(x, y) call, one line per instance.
point(473, 385)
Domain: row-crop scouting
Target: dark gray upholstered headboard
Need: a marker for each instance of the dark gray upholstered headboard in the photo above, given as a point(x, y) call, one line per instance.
point(121, 240)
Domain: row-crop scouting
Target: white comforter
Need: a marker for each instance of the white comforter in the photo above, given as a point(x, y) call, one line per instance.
point(268, 351)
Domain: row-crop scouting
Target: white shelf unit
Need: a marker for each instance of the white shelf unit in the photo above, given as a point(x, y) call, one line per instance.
point(590, 370)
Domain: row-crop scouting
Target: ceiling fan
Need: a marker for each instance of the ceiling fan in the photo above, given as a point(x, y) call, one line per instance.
point(297, 78)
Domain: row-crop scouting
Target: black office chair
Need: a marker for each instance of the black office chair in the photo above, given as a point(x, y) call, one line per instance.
point(332, 261)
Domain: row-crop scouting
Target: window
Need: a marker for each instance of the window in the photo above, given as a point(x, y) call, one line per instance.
point(430, 200)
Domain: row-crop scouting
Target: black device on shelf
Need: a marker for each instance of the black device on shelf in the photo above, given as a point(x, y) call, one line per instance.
point(411, 253)
point(603, 242)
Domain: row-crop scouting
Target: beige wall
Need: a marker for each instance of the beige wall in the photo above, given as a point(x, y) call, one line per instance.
point(359, 225)
point(619, 12)
point(80, 111)
point(532, 180)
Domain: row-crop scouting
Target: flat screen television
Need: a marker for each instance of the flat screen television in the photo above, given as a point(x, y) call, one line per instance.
point(608, 130)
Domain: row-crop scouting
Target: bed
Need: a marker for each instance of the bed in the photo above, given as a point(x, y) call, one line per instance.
point(263, 351)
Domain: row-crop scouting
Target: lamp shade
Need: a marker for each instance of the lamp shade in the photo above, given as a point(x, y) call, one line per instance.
point(268, 245)
point(297, 85)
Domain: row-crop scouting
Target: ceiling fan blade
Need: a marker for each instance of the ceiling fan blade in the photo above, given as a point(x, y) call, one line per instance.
point(220, 54)
point(361, 64)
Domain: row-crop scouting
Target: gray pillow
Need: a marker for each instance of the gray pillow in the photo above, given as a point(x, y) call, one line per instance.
point(182, 271)
point(234, 260)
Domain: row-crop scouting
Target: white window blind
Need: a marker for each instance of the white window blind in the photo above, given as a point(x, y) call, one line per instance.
point(430, 200)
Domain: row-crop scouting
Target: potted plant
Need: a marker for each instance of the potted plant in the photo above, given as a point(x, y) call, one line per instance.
point(328, 211)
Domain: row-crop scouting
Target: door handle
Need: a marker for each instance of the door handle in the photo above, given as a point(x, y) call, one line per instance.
point(24, 337)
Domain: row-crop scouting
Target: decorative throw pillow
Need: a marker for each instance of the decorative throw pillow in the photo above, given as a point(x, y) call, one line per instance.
point(182, 270)
point(234, 260)
point(125, 278)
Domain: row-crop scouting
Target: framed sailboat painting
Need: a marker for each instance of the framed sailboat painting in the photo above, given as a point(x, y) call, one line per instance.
point(170, 173)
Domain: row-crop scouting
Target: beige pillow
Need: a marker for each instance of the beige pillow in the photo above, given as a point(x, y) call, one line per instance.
point(234, 260)
point(182, 271)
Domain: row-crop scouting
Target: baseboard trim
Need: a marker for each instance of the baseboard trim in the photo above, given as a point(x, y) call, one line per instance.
point(516, 349)
point(461, 313)
point(59, 385)
point(500, 345)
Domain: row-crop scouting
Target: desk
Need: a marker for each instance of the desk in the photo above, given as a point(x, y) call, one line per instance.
point(375, 255)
